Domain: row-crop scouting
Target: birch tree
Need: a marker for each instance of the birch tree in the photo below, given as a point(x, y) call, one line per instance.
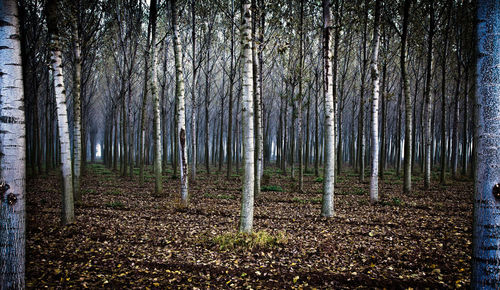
point(68, 215)
point(257, 97)
point(194, 105)
point(12, 151)
point(376, 91)
point(329, 176)
point(247, 115)
point(485, 238)
point(181, 107)
point(156, 103)
point(77, 122)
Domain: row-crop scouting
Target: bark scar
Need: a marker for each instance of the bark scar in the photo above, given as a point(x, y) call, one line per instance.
point(11, 199)
point(496, 191)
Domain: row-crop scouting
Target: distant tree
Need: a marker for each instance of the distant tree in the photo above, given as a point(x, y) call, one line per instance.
point(485, 238)
point(12, 151)
point(407, 98)
point(428, 98)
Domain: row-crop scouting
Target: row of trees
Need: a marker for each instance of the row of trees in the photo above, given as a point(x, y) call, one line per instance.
point(288, 79)
point(114, 59)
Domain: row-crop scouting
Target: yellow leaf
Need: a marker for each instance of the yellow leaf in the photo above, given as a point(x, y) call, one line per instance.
point(295, 279)
point(57, 271)
point(156, 284)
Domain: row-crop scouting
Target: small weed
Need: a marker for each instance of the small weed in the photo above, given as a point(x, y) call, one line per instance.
point(115, 204)
point(363, 202)
point(318, 179)
point(113, 192)
point(266, 177)
point(395, 201)
point(88, 191)
point(255, 240)
point(358, 191)
point(271, 188)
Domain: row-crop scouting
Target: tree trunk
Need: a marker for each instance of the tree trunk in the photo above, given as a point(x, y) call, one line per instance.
point(361, 118)
point(207, 103)
point(316, 126)
point(156, 104)
point(454, 149)
point(247, 196)
point(466, 122)
point(77, 138)
point(194, 145)
point(229, 145)
point(68, 214)
point(142, 135)
point(299, 100)
point(428, 100)
point(375, 100)
point(12, 152)
point(383, 140)
point(327, 209)
point(485, 238)
point(443, 152)
point(407, 97)
point(181, 110)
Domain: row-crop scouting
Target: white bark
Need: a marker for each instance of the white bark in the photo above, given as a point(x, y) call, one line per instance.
point(485, 237)
point(156, 105)
point(259, 138)
point(247, 197)
point(194, 105)
point(327, 209)
point(181, 107)
point(77, 129)
point(12, 151)
point(68, 215)
point(375, 100)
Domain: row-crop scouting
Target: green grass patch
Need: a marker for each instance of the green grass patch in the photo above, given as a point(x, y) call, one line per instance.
point(255, 240)
point(395, 201)
point(271, 188)
point(318, 179)
point(359, 191)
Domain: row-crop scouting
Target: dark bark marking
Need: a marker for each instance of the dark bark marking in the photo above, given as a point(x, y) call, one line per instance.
point(496, 190)
point(4, 23)
point(182, 137)
point(11, 199)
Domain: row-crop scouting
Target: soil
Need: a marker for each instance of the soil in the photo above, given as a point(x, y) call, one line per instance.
point(126, 237)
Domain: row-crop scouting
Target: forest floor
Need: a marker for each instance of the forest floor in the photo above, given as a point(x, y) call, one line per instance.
point(126, 237)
